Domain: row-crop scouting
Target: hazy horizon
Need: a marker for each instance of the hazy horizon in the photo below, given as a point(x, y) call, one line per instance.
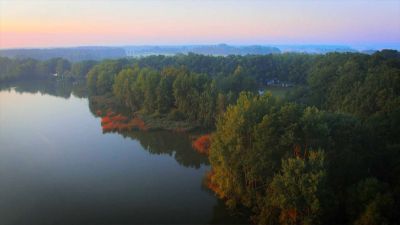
point(395, 46)
point(48, 24)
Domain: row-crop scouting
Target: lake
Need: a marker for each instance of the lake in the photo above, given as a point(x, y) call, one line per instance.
point(57, 166)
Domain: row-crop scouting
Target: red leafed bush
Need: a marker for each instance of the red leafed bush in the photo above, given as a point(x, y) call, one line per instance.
point(105, 120)
point(209, 183)
point(202, 144)
point(116, 122)
point(109, 127)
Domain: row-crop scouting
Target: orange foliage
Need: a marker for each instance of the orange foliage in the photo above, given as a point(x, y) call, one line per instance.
point(297, 151)
point(289, 215)
point(105, 120)
point(109, 127)
point(213, 187)
point(112, 123)
point(202, 144)
point(292, 213)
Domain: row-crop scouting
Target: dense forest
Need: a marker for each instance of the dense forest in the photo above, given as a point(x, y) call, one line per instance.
point(290, 67)
point(327, 153)
point(32, 69)
point(194, 88)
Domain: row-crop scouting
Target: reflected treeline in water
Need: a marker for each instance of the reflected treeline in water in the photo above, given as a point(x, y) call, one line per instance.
point(174, 146)
point(177, 145)
point(58, 88)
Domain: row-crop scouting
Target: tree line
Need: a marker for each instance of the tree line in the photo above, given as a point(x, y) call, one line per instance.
point(192, 87)
point(328, 154)
point(290, 67)
point(175, 93)
point(17, 69)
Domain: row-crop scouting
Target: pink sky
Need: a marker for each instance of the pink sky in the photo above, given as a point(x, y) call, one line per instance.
point(90, 22)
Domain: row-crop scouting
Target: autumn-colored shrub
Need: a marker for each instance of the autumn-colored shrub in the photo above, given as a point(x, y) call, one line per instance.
point(108, 127)
point(105, 120)
point(99, 113)
point(211, 185)
point(121, 123)
point(202, 144)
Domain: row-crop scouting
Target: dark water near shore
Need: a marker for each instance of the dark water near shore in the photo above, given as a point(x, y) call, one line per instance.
point(57, 167)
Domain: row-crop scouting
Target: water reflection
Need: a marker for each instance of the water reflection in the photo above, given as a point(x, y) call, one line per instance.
point(78, 175)
point(176, 145)
point(61, 88)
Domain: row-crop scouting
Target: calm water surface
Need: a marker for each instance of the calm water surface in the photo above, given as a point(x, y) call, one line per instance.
point(57, 167)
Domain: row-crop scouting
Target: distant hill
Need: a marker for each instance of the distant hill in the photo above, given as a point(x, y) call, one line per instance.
point(99, 53)
point(315, 49)
point(221, 49)
point(369, 51)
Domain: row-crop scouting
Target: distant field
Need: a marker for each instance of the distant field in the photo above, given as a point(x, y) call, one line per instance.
point(278, 91)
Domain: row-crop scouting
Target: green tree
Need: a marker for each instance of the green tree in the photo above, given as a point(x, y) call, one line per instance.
point(186, 94)
point(165, 98)
point(152, 79)
point(297, 190)
point(369, 202)
point(230, 154)
point(62, 66)
point(207, 105)
point(122, 87)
